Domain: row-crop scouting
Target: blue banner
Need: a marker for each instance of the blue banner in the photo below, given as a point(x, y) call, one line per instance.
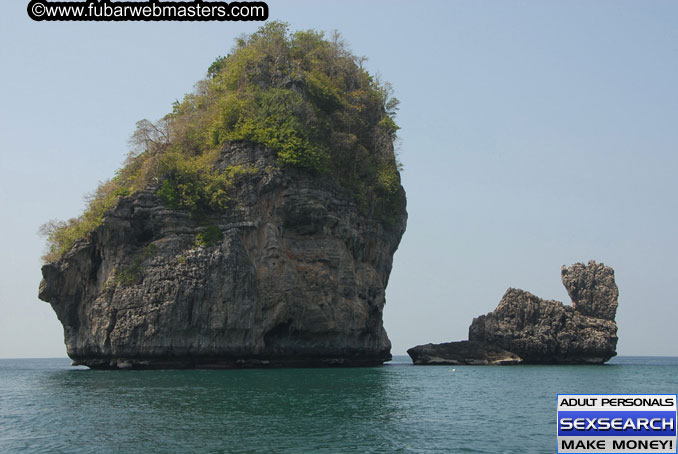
point(617, 423)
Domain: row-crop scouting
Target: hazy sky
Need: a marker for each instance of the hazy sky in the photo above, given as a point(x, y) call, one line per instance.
point(534, 134)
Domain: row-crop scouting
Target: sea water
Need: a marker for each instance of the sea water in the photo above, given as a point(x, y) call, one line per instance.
point(47, 406)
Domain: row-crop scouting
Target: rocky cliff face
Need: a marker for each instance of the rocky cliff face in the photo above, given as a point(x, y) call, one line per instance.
point(547, 332)
point(592, 289)
point(297, 278)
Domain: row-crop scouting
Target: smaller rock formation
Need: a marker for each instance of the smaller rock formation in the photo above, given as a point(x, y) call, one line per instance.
point(460, 353)
point(592, 289)
point(539, 331)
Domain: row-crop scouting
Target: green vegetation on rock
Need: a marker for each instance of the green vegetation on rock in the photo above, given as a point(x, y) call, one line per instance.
point(303, 96)
point(209, 237)
point(133, 273)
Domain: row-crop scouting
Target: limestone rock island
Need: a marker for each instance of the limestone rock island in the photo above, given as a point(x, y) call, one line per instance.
point(525, 328)
point(255, 225)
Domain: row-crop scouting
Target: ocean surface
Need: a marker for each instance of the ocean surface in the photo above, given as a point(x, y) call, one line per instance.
point(47, 406)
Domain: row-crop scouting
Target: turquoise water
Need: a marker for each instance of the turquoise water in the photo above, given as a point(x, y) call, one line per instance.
point(48, 406)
